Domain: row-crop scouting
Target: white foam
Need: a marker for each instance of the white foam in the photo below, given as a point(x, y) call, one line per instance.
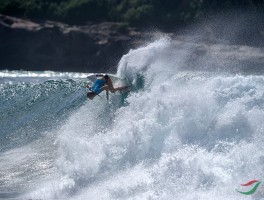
point(185, 135)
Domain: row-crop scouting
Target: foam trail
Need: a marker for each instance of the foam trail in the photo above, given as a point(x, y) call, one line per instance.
point(180, 135)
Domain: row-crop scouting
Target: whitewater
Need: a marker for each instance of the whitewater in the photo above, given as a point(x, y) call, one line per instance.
point(180, 133)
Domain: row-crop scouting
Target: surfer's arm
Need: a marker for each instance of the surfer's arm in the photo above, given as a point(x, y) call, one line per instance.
point(88, 86)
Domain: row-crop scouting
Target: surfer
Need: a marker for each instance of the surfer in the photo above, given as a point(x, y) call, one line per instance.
point(103, 82)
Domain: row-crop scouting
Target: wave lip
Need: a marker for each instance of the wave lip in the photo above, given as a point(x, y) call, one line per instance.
point(14, 77)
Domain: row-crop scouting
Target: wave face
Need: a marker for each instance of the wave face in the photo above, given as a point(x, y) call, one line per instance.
point(33, 106)
point(179, 134)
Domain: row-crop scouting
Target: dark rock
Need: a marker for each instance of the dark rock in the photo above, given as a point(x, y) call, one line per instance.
point(56, 46)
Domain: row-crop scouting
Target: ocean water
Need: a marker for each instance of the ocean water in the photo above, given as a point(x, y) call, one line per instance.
point(180, 133)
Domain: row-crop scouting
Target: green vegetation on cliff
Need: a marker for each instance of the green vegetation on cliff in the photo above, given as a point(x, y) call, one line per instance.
point(134, 12)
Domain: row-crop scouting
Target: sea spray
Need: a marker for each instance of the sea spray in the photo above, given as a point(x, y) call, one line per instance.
point(180, 134)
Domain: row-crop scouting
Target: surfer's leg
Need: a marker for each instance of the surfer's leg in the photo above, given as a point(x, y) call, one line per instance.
point(121, 88)
point(111, 87)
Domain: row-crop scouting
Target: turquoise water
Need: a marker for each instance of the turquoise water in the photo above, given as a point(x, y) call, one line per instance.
point(178, 134)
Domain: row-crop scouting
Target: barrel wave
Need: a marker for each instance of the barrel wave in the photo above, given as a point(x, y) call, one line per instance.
point(180, 133)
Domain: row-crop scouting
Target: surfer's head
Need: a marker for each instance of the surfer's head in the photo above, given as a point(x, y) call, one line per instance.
point(91, 95)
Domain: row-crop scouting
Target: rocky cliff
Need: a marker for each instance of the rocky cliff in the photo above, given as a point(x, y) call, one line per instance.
point(56, 46)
